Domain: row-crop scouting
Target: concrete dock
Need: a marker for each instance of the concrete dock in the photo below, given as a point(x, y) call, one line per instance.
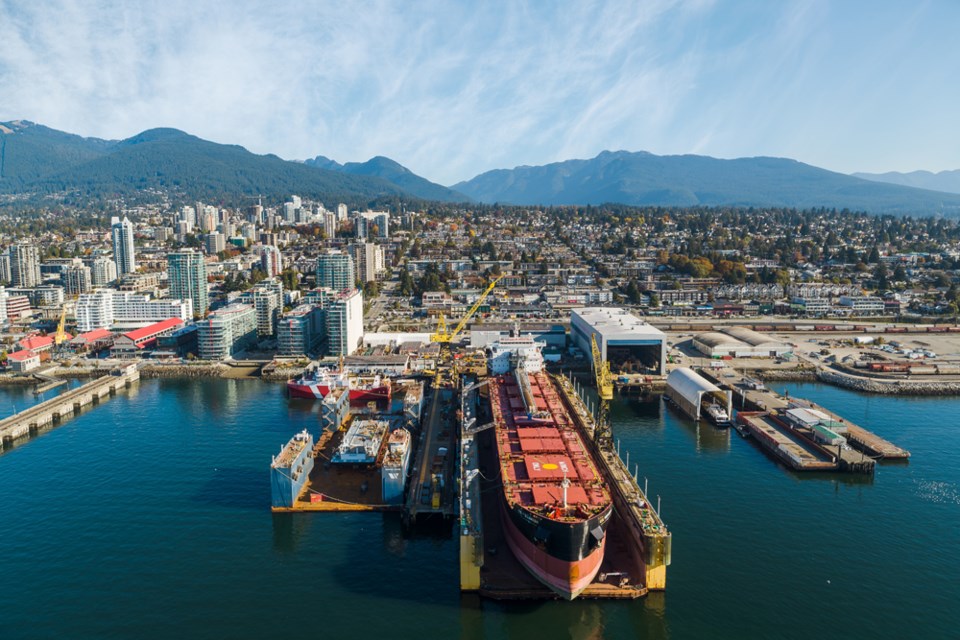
point(432, 488)
point(861, 441)
point(52, 412)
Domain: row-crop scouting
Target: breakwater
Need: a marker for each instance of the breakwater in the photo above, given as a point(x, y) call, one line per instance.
point(890, 387)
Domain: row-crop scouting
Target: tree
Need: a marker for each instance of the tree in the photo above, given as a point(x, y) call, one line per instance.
point(406, 283)
point(290, 279)
point(371, 289)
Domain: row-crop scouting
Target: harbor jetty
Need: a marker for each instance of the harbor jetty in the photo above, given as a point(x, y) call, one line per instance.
point(69, 403)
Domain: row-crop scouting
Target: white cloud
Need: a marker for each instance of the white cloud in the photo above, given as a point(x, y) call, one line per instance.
point(453, 89)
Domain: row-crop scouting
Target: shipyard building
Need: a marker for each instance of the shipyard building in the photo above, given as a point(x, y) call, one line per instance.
point(739, 342)
point(627, 342)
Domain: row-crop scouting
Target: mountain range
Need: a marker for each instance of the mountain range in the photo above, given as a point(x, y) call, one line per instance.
point(393, 172)
point(38, 161)
point(643, 178)
point(948, 181)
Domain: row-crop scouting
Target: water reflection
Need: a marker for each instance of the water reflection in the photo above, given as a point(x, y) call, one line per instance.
point(289, 529)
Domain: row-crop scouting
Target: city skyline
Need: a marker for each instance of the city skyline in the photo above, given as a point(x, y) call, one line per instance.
point(451, 91)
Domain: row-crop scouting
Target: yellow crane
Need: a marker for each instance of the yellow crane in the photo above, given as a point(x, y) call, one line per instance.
point(61, 336)
point(601, 371)
point(441, 335)
point(445, 338)
point(604, 379)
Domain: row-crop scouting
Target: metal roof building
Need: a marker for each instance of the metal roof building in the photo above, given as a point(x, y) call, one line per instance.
point(686, 388)
point(626, 341)
point(763, 345)
point(716, 344)
point(739, 342)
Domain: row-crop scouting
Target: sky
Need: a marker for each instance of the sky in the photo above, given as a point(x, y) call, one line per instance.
point(452, 89)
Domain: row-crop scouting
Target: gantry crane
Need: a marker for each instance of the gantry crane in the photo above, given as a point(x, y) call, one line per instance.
point(604, 379)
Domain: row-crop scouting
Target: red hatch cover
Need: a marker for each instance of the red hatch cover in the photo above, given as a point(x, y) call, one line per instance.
point(534, 444)
point(553, 494)
point(548, 467)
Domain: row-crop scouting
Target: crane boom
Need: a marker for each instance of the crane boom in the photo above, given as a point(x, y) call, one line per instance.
point(441, 334)
point(601, 371)
point(61, 335)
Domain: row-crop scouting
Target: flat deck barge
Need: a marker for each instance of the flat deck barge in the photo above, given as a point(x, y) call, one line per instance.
point(785, 445)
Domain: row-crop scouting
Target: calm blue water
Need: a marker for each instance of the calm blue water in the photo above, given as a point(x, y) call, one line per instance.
point(148, 517)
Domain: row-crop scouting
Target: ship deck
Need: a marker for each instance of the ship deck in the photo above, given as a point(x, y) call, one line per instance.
point(540, 448)
point(502, 577)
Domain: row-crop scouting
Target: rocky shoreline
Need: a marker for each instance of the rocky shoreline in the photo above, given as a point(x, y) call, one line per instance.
point(889, 387)
point(787, 375)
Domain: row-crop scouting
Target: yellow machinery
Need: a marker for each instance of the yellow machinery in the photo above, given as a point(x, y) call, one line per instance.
point(442, 336)
point(61, 336)
point(445, 338)
point(604, 379)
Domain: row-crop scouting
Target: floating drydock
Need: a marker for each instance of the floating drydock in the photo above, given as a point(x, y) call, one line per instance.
point(636, 544)
point(555, 507)
point(290, 469)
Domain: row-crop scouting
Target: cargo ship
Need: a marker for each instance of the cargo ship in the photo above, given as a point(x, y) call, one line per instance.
point(290, 469)
point(555, 504)
point(315, 383)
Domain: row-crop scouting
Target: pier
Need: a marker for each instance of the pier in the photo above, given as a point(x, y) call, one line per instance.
point(767, 416)
point(52, 412)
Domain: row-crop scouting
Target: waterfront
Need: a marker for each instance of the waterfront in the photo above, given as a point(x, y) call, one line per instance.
point(149, 517)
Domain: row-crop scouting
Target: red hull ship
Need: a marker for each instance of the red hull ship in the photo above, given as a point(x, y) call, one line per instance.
point(555, 504)
point(315, 384)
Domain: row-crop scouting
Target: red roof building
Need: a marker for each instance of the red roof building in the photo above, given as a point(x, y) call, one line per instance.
point(23, 361)
point(138, 339)
point(100, 338)
point(38, 344)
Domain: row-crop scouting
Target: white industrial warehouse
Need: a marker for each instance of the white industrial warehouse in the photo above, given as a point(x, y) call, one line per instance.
point(739, 342)
point(627, 342)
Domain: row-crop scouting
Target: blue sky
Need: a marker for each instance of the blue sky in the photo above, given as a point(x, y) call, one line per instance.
point(452, 89)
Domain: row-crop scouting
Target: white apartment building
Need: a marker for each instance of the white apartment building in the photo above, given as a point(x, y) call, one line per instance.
point(344, 323)
point(107, 308)
point(227, 331)
point(123, 251)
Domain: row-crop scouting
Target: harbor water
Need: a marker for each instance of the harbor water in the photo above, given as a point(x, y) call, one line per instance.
point(148, 517)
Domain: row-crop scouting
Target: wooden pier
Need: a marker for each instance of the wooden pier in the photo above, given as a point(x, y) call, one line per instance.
point(69, 403)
